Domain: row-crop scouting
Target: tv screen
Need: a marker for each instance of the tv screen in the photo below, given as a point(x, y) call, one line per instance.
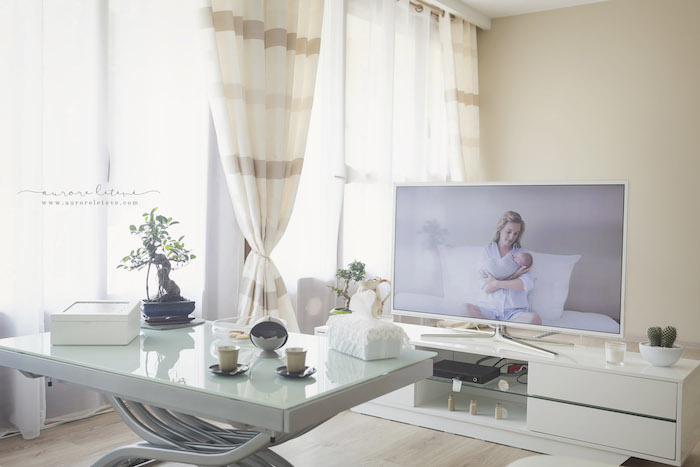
point(527, 255)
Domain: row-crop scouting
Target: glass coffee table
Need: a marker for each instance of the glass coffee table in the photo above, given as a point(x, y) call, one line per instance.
point(161, 386)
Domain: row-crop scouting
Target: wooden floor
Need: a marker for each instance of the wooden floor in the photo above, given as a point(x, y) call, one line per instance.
point(348, 439)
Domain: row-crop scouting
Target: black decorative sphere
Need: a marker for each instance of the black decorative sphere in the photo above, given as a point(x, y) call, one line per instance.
point(269, 336)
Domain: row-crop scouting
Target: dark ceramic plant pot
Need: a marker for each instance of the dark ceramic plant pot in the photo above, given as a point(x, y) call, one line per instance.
point(157, 309)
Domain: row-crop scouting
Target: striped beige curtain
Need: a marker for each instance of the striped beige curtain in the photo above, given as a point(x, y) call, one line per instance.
point(458, 40)
point(268, 54)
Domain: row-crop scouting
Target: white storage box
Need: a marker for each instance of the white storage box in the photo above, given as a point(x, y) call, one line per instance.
point(365, 337)
point(99, 322)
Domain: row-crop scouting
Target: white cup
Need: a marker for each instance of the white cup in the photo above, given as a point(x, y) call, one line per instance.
point(296, 359)
point(615, 352)
point(228, 357)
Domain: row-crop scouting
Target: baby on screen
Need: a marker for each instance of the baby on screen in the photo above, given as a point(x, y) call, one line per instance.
point(502, 269)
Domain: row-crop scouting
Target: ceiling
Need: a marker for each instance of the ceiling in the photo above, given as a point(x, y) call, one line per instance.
point(500, 8)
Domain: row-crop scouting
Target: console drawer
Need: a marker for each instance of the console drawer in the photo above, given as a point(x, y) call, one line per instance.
point(619, 392)
point(617, 430)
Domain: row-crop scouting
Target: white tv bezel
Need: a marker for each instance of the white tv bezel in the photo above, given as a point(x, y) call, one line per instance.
point(510, 324)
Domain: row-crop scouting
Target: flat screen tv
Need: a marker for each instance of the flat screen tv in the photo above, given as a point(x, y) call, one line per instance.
point(547, 256)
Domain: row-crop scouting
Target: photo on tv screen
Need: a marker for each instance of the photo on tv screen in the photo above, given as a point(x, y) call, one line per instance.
point(535, 255)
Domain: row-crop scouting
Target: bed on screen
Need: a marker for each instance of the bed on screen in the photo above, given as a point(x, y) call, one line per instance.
point(456, 270)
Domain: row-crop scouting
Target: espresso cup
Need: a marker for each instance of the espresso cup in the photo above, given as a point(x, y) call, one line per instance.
point(228, 357)
point(296, 359)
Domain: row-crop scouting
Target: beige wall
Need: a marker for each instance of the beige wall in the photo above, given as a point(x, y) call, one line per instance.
point(609, 91)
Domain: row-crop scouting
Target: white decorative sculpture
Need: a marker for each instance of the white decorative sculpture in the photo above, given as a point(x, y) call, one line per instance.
point(368, 298)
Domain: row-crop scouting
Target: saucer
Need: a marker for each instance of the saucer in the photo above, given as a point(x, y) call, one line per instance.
point(166, 326)
point(308, 371)
point(241, 368)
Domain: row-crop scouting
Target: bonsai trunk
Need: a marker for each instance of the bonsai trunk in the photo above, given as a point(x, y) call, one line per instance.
point(345, 293)
point(168, 290)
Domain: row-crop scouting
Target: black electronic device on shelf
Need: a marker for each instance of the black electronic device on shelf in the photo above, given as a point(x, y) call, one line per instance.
point(468, 372)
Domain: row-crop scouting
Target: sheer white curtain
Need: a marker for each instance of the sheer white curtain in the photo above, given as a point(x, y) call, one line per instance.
point(99, 93)
point(395, 120)
point(306, 256)
point(50, 253)
point(158, 133)
point(381, 116)
point(20, 148)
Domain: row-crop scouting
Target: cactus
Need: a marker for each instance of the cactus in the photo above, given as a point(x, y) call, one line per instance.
point(654, 334)
point(668, 336)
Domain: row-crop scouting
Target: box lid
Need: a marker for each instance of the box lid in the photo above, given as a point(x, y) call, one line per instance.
point(97, 310)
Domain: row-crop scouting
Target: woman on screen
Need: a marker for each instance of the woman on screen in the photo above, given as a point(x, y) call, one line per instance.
point(505, 300)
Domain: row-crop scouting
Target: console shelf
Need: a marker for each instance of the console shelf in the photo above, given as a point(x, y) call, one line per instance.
point(485, 412)
point(574, 404)
point(514, 387)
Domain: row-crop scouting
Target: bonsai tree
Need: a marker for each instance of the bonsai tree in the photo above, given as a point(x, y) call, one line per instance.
point(354, 273)
point(160, 251)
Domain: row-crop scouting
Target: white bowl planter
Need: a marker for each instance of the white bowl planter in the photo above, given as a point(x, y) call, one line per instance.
point(660, 356)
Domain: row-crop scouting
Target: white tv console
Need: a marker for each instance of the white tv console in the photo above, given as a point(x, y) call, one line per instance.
point(575, 404)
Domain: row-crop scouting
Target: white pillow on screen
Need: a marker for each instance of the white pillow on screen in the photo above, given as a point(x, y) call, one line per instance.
point(551, 275)
point(460, 273)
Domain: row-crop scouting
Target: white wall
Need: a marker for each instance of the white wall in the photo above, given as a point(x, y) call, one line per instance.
point(609, 91)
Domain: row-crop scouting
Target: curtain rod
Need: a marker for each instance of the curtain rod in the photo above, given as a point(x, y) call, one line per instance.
point(456, 9)
point(435, 11)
